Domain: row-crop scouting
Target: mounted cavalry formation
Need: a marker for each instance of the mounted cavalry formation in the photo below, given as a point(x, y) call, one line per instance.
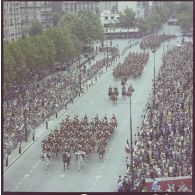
point(79, 138)
point(132, 67)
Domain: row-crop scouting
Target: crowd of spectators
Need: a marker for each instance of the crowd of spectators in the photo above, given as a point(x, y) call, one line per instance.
point(132, 66)
point(113, 54)
point(155, 41)
point(164, 143)
point(34, 103)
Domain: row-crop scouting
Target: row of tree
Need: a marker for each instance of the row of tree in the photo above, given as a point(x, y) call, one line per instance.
point(58, 44)
point(157, 16)
point(185, 15)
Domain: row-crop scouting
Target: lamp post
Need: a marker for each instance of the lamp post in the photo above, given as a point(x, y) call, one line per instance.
point(163, 47)
point(154, 51)
point(80, 75)
point(129, 93)
point(107, 57)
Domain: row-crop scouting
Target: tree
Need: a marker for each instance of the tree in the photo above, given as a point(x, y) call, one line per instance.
point(56, 18)
point(9, 65)
point(185, 14)
point(185, 20)
point(35, 29)
point(142, 25)
point(127, 20)
point(86, 26)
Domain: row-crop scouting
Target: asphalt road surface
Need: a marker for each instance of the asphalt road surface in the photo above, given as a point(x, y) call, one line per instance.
point(28, 172)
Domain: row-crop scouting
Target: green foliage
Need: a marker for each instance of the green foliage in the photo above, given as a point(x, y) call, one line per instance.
point(142, 25)
point(127, 20)
point(35, 29)
point(58, 44)
point(84, 25)
point(157, 16)
point(9, 65)
point(185, 15)
point(56, 18)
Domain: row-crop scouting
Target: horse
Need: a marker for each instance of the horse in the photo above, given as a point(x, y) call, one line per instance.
point(88, 152)
point(123, 93)
point(101, 152)
point(66, 160)
point(116, 92)
point(45, 156)
point(55, 150)
point(109, 92)
point(80, 157)
point(114, 98)
point(114, 123)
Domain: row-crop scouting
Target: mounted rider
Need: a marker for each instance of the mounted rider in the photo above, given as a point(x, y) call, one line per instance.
point(110, 91)
point(116, 91)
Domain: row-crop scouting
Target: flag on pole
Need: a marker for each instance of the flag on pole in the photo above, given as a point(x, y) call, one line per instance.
point(127, 148)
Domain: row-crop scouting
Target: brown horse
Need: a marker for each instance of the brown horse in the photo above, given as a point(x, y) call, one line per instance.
point(66, 160)
point(101, 152)
point(123, 93)
point(109, 92)
point(114, 98)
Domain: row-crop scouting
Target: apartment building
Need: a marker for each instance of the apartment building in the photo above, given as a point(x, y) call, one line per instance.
point(76, 6)
point(36, 11)
point(11, 21)
point(96, 7)
point(109, 18)
point(143, 8)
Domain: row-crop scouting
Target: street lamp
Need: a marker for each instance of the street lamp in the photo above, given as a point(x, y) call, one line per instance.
point(163, 47)
point(80, 75)
point(25, 124)
point(107, 57)
point(129, 93)
point(154, 51)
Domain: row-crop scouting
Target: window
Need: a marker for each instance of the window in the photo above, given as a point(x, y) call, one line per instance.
point(11, 22)
point(112, 17)
point(106, 17)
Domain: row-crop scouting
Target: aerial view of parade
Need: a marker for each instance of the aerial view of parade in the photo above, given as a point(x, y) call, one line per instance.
point(97, 96)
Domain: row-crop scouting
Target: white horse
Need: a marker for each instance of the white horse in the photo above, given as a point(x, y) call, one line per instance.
point(81, 159)
point(45, 157)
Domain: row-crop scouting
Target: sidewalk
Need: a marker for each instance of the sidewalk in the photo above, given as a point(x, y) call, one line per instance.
point(54, 122)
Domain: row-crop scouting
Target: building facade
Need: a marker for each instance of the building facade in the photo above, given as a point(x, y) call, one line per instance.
point(36, 11)
point(108, 5)
point(18, 17)
point(11, 21)
point(96, 7)
point(76, 6)
point(143, 8)
point(109, 18)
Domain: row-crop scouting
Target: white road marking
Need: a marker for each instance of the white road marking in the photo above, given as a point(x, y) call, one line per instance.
point(34, 167)
point(20, 183)
point(27, 175)
point(98, 176)
point(16, 187)
point(62, 175)
point(30, 171)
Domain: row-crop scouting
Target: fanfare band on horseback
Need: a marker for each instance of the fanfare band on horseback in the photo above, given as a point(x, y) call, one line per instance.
point(79, 138)
point(113, 94)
